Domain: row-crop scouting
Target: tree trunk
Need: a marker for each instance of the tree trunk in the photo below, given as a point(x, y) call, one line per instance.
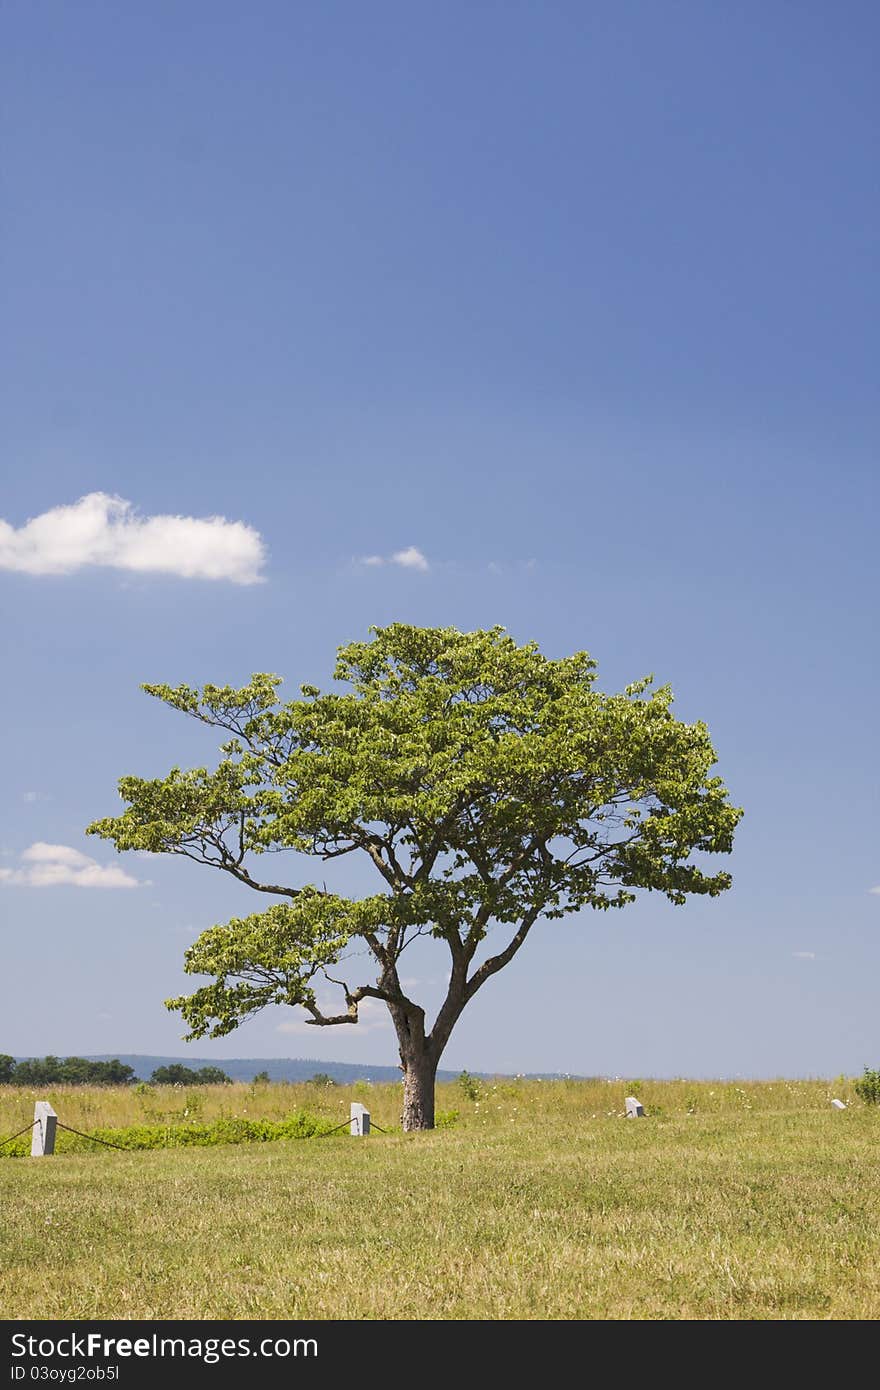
point(419, 1076)
point(420, 1053)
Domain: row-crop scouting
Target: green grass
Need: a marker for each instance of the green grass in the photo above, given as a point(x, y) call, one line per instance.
point(753, 1200)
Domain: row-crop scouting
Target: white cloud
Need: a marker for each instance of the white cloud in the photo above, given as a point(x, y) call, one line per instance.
point(804, 955)
point(409, 559)
point(104, 530)
point(30, 797)
point(49, 866)
point(875, 890)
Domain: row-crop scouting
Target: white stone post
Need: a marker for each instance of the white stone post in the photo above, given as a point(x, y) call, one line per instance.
point(634, 1108)
point(360, 1119)
point(43, 1132)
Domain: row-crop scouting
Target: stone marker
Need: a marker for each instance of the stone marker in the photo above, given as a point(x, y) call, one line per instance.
point(360, 1119)
point(838, 1104)
point(634, 1108)
point(43, 1132)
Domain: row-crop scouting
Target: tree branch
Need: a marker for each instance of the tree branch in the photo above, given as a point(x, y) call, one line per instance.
point(495, 963)
point(456, 997)
point(352, 999)
point(481, 921)
point(229, 866)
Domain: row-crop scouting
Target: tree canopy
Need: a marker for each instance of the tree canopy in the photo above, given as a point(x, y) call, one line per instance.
point(489, 785)
point(176, 1074)
point(63, 1071)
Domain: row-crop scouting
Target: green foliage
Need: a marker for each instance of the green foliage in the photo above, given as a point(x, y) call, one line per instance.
point(321, 1078)
point(489, 785)
point(212, 1076)
point(224, 1131)
point(867, 1088)
point(178, 1075)
point(445, 1119)
point(469, 1086)
point(63, 1071)
point(262, 1078)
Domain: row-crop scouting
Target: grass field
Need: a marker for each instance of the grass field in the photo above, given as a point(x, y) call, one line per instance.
point(747, 1200)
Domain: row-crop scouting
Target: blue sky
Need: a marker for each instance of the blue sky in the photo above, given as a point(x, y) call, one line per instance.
point(579, 302)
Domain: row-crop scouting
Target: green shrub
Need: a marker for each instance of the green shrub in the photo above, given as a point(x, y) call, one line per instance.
point(444, 1118)
point(300, 1125)
point(867, 1088)
point(469, 1086)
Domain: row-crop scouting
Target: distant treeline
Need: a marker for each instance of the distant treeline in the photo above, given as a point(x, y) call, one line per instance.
point(63, 1071)
point(79, 1071)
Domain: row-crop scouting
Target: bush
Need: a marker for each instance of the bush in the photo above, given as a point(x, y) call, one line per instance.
point(321, 1078)
point(469, 1086)
point(300, 1125)
point(867, 1088)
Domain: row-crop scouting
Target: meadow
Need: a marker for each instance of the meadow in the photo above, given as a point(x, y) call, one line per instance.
point(743, 1200)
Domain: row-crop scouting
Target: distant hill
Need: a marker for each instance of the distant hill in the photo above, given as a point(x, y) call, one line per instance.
point(279, 1068)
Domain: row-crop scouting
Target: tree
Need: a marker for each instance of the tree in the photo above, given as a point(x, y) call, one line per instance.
point(488, 785)
point(212, 1076)
point(40, 1071)
point(69, 1071)
point(7, 1069)
point(176, 1074)
point(116, 1073)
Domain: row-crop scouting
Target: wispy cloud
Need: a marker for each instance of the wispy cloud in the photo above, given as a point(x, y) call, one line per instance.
point(875, 890)
point(107, 531)
point(409, 559)
point(51, 866)
point(804, 955)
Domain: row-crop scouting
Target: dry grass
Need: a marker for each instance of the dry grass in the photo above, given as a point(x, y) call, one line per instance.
point(750, 1200)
